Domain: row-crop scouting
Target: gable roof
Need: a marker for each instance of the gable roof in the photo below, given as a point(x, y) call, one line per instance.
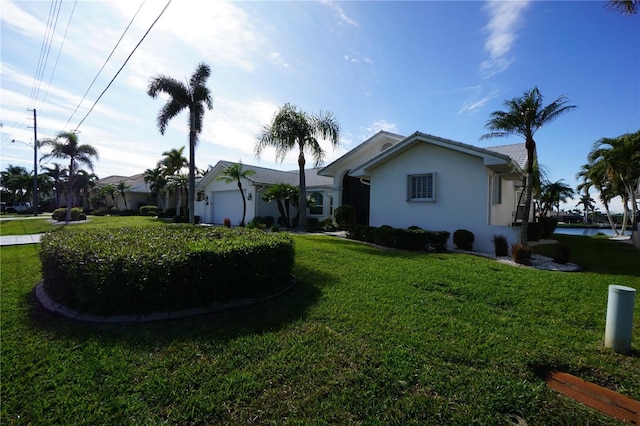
point(267, 176)
point(517, 152)
point(373, 139)
point(492, 158)
point(134, 183)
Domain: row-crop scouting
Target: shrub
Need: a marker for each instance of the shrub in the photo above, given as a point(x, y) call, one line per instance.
point(500, 245)
point(345, 216)
point(256, 220)
point(275, 228)
point(534, 231)
point(115, 271)
point(227, 222)
point(547, 226)
point(169, 213)
point(82, 216)
point(61, 214)
point(406, 239)
point(268, 220)
point(463, 239)
point(327, 224)
point(178, 219)
point(562, 254)
point(313, 224)
point(148, 211)
point(196, 219)
point(521, 254)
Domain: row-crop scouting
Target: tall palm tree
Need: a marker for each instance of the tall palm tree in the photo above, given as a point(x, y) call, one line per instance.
point(523, 117)
point(594, 175)
point(234, 173)
point(284, 195)
point(17, 181)
point(587, 204)
point(177, 183)
point(69, 148)
point(173, 161)
point(291, 129)
point(193, 97)
point(626, 7)
point(620, 158)
point(109, 190)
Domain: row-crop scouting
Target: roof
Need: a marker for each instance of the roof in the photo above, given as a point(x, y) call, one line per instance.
point(491, 157)
point(134, 183)
point(517, 152)
point(267, 176)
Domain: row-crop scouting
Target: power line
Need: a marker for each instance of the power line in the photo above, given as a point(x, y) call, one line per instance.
point(55, 66)
point(45, 52)
point(125, 63)
point(104, 64)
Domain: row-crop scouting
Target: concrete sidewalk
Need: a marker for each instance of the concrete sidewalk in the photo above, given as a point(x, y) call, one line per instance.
point(13, 240)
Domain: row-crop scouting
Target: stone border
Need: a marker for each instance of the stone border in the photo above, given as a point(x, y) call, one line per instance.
point(64, 311)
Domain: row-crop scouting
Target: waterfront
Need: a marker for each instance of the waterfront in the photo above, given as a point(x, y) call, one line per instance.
point(587, 232)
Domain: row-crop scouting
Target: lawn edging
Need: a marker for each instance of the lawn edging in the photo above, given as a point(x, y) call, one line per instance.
point(64, 311)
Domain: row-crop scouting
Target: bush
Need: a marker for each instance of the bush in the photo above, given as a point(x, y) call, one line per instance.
point(313, 224)
point(149, 211)
point(60, 215)
point(268, 220)
point(534, 231)
point(169, 213)
point(327, 225)
point(405, 239)
point(521, 254)
point(116, 271)
point(275, 228)
point(563, 253)
point(178, 219)
point(547, 226)
point(345, 216)
point(500, 245)
point(227, 222)
point(463, 239)
point(82, 216)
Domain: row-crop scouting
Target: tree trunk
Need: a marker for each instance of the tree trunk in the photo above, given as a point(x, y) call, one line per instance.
point(302, 197)
point(192, 167)
point(244, 204)
point(611, 223)
point(69, 192)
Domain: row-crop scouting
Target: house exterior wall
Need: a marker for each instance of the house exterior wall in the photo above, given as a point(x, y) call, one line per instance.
point(461, 194)
point(503, 214)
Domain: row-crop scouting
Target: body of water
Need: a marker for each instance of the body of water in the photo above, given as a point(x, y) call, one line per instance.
point(587, 232)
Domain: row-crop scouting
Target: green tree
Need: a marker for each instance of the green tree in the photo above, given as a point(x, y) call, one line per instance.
point(17, 181)
point(587, 204)
point(554, 193)
point(523, 116)
point(176, 183)
point(234, 173)
point(173, 161)
point(284, 195)
point(157, 184)
point(626, 7)
point(193, 97)
point(58, 177)
point(109, 190)
point(122, 187)
point(291, 129)
point(594, 175)
point(69, 148)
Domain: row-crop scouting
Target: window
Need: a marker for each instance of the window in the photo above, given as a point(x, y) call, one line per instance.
point(496, 189)
point(318, 200)
point(421, 187)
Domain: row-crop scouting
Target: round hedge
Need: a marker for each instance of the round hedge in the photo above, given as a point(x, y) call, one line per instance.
point(139, 270)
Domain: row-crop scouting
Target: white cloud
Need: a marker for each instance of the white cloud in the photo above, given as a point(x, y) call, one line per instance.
point(340, 13)
point(277, 59)
point(504, 19)
point(377, 126)
point(476, 102)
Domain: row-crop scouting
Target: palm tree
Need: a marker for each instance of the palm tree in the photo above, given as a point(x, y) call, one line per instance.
point(173, 161)
point(16, 180)
point(157, 184)
point(194, 97)
point(594, 175)
point(109, 190)
point(232, 173)
point(176, 183)
point(626, 7)
point(553, 193)
point(70, 149)
point(82, 182)
point(285, 195)
point(523, 117)
point(292, 128)
point(620, 159)
point(122, 187)
point(587, 204)
point(58, 176)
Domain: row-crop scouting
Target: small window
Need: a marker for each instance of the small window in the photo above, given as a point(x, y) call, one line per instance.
point(496, 189)
point(318, 200)
point(386, 146)
point(421, 187)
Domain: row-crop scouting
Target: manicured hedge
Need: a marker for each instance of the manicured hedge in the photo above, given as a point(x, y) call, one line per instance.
point(133, 270)
point(406, 239)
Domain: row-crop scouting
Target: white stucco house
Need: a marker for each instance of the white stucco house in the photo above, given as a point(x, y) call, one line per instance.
point(217, 200)
point(432, 182)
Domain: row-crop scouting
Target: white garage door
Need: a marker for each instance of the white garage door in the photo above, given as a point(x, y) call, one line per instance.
point(227, 204)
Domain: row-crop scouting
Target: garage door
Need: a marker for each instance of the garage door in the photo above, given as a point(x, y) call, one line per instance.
point(227, 204)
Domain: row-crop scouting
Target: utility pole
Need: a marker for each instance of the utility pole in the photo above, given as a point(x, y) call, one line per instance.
point(35, 165)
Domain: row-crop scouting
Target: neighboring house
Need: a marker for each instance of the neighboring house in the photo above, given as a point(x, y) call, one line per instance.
point(137, 193)
point(435, 183)
point(217, 200)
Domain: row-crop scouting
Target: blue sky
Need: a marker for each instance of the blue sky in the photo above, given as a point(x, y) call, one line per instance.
point(434, 66)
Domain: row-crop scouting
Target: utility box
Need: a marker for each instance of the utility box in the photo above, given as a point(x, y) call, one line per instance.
point(619, 326)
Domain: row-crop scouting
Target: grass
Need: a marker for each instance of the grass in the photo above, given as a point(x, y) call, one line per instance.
point(43, 223)
point(368, 336)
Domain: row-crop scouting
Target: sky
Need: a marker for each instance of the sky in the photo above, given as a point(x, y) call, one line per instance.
point(439, 67)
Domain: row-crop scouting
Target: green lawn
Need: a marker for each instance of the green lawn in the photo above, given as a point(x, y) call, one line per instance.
point(368, 336)
point(44, 224)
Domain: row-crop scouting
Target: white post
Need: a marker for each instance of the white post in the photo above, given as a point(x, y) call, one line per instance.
point(619, 318)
